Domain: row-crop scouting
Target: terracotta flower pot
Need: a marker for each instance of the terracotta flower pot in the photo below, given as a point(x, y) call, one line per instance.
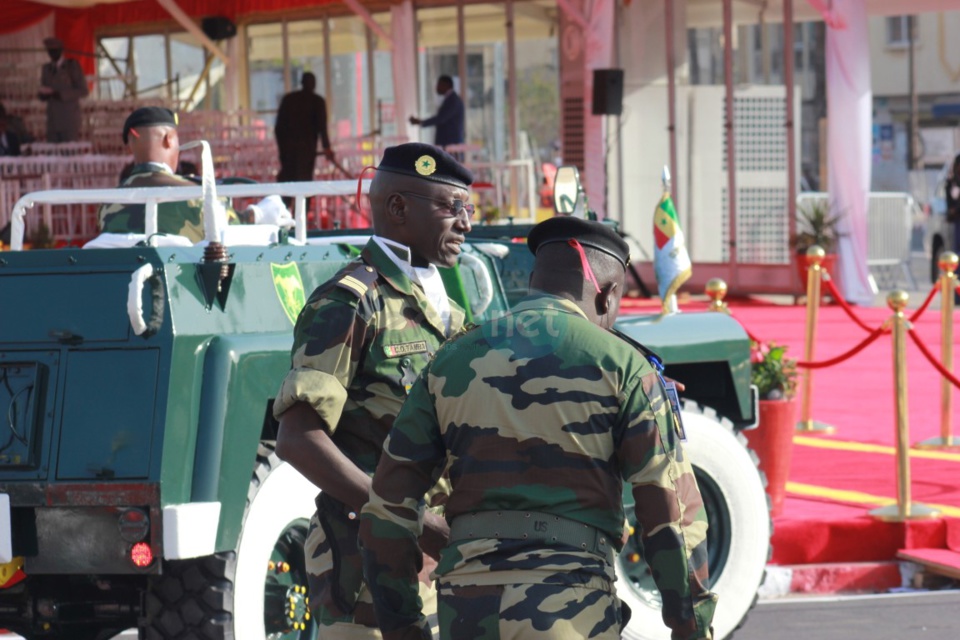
point(772, 441)
point(829, 264)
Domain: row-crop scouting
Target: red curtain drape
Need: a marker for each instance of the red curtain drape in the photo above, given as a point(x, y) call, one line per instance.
point(19, 15)
point(76, 26)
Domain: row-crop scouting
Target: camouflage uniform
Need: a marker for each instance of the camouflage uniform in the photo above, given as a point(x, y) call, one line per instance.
point(359, 344)
point(538, 411)
point(180, 218)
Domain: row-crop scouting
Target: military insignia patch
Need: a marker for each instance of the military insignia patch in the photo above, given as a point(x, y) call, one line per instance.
point(405, 349)
point(426, 165)
point(289, 288)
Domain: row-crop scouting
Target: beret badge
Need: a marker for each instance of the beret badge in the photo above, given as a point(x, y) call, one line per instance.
point(426, 165)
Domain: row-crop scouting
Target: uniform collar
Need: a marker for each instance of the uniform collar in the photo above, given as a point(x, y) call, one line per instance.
point(539, 300)
point(389, 267)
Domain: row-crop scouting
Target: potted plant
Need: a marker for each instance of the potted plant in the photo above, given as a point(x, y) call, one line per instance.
point(775, 377)
point(816, 225)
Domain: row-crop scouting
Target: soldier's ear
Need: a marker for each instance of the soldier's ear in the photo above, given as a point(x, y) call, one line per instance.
point(605, 298)
point(396, 209)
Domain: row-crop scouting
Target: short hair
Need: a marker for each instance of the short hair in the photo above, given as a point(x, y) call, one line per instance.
point(445, 78)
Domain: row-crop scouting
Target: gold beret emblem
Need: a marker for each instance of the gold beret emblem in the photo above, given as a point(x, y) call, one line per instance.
point(426, 165)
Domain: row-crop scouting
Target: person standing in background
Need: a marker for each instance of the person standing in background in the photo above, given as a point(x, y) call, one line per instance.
point(9, 141)
point(450, 121)
point(62, 84)
point(301, 122)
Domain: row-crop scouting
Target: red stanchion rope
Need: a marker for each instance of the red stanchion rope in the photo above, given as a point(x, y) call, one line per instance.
point(832, 288)
point(926, 303)
point(936, 363)
point(876, 333)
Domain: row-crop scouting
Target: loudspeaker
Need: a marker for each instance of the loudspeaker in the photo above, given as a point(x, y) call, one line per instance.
point(607, 92)
point(218, 27)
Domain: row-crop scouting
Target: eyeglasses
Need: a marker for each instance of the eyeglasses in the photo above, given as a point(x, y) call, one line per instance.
point(456, 207)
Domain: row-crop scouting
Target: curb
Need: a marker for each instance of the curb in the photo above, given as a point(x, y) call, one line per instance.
point(848, 578)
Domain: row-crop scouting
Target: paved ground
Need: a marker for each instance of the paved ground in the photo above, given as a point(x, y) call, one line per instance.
point(932, 614)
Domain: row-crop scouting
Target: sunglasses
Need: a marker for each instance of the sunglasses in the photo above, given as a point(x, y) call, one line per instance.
point(456, 207)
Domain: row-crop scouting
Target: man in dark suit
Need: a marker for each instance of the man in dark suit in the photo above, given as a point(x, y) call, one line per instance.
point(450, 120)
point(9, 141)
point(62, 84)
point(301, 123)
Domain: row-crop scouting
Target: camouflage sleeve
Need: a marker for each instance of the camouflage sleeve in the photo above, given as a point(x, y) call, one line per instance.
point(669, 508)
point(328, 344)
point(392, 519)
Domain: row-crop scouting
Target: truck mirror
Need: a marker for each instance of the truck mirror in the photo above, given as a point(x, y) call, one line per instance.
point(567, 191)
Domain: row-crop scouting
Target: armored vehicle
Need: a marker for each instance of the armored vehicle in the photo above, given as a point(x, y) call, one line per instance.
point(139, 487)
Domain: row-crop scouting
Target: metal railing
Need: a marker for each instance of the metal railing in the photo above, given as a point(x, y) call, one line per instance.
point(890, 217)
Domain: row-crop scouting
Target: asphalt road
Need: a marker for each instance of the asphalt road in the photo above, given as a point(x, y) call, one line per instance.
point(898, 616)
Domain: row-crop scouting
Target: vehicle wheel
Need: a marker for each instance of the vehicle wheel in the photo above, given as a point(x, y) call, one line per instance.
point(249, 593)
point(738, 539)
point(935, 259)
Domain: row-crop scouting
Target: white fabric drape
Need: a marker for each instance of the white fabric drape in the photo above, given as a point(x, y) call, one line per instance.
point(849, 120)
point(598, 54)
point(404, 63)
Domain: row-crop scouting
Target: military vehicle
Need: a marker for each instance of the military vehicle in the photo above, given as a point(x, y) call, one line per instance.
point(139, 487)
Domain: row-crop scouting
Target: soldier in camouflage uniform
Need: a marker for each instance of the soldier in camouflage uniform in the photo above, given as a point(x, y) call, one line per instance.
point(359, 344)
point(151, 135)
point(538, 417)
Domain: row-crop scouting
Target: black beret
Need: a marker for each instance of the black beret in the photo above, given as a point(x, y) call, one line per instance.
point(589, 233)
point(148, 117)
point(425, 161)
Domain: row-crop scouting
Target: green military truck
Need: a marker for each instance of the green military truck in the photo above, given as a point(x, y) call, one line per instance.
point(139, 487)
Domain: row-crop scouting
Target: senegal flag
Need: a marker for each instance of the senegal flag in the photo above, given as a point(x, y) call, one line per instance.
point(671, 263)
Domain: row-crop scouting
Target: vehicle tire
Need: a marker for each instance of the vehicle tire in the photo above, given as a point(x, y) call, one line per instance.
point(228, 595)
point(738, 538)
point(935, 252)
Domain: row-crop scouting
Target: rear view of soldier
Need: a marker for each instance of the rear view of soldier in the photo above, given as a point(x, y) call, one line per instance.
point(539, 417)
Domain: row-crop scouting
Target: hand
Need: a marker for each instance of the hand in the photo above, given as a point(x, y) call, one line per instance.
point(436, 534)
point(680, 385)
point(328, 153)
point(429, 564)
point(415, 120)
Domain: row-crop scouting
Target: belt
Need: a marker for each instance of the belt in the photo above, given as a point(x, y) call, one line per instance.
point(535, 526)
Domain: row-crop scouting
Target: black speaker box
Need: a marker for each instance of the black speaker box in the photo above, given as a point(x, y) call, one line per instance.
point(607, 92)
point(218, 27)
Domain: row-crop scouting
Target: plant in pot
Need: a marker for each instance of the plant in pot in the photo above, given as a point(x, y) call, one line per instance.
point(817, 224)
point(775, 377)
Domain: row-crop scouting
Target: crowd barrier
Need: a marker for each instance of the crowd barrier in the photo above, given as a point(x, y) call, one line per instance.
point(899, 326)
point(890, 220)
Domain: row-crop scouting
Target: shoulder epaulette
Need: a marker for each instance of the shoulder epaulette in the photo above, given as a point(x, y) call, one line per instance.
point(358, 280)
point(647, 352)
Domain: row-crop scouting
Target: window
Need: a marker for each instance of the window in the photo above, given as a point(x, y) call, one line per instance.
point(898, 31)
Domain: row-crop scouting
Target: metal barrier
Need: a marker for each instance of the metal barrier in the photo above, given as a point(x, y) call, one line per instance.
point(890, 217)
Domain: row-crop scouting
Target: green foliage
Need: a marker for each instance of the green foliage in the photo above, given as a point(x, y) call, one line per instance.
point(816, 226)
point(774, 375)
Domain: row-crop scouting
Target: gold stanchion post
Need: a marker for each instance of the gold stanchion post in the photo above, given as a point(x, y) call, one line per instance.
point(948, 284)
point(716, 290)
point(905, 509)
point(815, 255)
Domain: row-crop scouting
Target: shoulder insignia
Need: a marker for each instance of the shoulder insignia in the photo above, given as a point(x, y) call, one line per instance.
point(358, 280)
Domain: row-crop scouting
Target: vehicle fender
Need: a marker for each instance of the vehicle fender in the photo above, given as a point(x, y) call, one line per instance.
point(241, 373)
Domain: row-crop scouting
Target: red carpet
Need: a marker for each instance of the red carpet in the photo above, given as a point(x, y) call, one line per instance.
point(836, 480)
